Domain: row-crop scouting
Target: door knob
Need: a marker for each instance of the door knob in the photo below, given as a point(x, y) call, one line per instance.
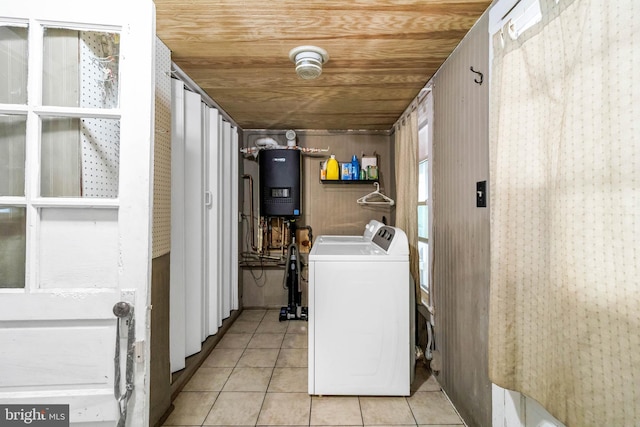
point(121, 309)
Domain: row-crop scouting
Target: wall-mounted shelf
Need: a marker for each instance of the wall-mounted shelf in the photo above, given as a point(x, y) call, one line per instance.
point(348, 181)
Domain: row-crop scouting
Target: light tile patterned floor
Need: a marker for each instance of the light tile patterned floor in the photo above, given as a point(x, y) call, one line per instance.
point(257, 376)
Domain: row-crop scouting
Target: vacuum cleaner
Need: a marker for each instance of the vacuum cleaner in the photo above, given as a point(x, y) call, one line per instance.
point(294, 309)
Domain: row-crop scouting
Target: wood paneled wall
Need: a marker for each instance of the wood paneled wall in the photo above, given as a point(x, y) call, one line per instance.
point(461, 237)
point(327, 208)
point(160, 377)
point(331, 208)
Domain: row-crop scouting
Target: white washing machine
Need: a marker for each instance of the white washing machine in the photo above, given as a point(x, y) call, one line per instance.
point(369, 231)
point(360, 316)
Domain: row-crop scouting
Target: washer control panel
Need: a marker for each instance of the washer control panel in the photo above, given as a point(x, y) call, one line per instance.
point(384, 237)
point(391, 240)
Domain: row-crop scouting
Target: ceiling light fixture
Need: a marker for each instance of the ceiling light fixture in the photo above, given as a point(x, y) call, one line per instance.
point(308, 60)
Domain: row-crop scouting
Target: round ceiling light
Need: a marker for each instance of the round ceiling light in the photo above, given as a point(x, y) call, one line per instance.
point(308, 60)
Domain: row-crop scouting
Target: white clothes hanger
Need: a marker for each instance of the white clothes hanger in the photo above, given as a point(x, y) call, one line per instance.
point(370, 199)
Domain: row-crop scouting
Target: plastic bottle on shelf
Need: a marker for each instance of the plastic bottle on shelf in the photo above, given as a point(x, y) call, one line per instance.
point(355, 168)
point(333, 168)
point(323, 171)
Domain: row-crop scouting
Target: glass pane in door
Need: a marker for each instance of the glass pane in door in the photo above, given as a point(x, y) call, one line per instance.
point(12, 154)
point(80, 157)
point(81, 68)
point(13, 65)
point(12, 246)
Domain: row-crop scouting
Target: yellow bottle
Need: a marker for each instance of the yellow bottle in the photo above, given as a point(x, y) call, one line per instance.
point(333, 169)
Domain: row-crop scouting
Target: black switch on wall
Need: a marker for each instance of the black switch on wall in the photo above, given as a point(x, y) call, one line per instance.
point(481, 194)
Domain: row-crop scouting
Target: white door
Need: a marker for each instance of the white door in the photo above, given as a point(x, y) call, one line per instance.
point(177, 311)
point(204, 180)
point(194, 214)
point(212, 123)
point(76, 137)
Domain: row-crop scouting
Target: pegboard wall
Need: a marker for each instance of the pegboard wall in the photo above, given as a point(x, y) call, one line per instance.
point(99, 138)
point(99, 69)
point(162, 153)
point(100, 147)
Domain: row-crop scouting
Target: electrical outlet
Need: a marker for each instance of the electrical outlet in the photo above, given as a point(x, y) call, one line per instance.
point(481, 194)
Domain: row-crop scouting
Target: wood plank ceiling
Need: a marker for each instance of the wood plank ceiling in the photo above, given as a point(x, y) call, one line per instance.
point(382, 52)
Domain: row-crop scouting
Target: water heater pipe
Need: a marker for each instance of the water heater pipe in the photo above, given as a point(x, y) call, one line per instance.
point(250, 178)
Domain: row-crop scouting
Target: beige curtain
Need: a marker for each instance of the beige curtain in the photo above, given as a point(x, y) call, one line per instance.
point(406, 165)
point(565, 212)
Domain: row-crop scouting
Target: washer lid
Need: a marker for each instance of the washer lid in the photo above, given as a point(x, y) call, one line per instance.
point(369, 231)
point(347, 249)
point(341, 239)
point(352, 252)
point(388, 244)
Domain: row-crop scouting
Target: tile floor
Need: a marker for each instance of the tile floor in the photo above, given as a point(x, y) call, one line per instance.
point(257, 376)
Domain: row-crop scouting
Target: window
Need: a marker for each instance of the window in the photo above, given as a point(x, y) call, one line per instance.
point(71, 120)
point(424, 194)
point(80, 155)
point(13, 129)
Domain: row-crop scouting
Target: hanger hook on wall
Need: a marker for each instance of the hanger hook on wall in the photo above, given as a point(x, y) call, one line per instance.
point(478, 73)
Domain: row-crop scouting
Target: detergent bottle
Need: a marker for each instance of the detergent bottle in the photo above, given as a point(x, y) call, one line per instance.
point(333, 169)
point(355, 168)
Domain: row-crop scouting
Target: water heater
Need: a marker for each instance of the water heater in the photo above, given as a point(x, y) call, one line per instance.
point(280, 182)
